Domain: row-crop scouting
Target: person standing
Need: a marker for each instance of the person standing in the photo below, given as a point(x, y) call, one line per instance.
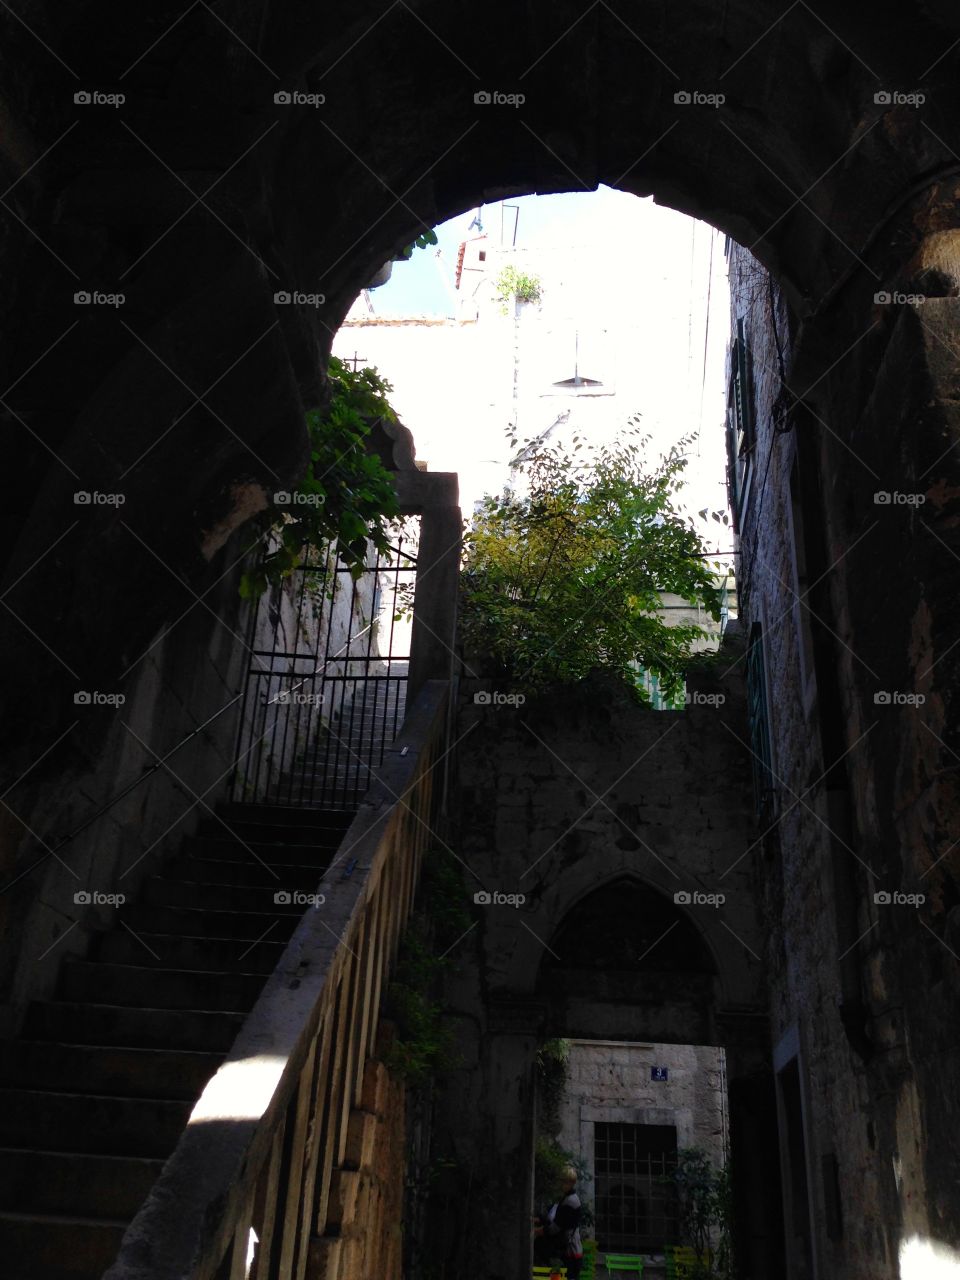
point(562, 1227)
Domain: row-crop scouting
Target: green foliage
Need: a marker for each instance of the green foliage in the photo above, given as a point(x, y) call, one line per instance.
point(513, 284)
point(347, 495)
point(706, 1212)
point(550, 1161)
point(553, 1069)
point(567, 578)
point(424, 1043)
point(422, 241)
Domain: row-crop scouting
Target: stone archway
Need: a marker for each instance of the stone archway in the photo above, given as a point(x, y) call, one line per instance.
point(201, 196)
point(655, 975)
point(666, 852)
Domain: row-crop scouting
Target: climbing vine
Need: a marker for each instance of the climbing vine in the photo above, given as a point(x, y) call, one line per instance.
point(346, 496)
point(423, 1042)
point(553, 1071)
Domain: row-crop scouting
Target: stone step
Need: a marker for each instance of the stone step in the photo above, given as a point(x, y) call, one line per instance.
point(143, 987)
point(71, 1182)
point(202, 1030)
point(211, 849)
point(93, 1123)
point(107, 1069)
point(273, 817)
point(245, 870)
point(192, 922)
point(160, 892)
point(254, 834)
point(58, 1247)
point(332, 779)
point(207, 955)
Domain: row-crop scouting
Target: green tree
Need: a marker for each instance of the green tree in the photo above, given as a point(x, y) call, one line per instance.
point(513, 284)
point(565, 576)
point(705, 1202)
point(346, 496)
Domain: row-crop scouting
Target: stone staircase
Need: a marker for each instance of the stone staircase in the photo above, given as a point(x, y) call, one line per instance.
point(337, 770)
point(97, 1089)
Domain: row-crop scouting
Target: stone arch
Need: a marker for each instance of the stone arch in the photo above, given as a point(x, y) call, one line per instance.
point(835, 190)
point(734, 980)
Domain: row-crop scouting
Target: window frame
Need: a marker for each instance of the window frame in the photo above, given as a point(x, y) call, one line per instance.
point(760, 723)
point(740, 424)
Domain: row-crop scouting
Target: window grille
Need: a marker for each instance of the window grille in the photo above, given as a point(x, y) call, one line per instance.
point(636, 1197)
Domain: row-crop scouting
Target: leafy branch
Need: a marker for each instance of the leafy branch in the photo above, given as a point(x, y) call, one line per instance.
point(346, 495)
point(425, 239)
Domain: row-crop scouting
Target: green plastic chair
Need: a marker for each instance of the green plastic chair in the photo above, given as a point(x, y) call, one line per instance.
point(681, 1261)
point(624, 1262)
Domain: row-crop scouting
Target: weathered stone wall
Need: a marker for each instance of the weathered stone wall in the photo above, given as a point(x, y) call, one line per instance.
point(859, 712)
point(609, 1080)
point(174, 685)
point(367, 1191)
point(557, 799)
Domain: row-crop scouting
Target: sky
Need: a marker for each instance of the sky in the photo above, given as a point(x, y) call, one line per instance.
point(424, 285)
point(644, 284)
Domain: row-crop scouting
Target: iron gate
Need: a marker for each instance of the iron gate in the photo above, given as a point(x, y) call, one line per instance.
point(326, 688)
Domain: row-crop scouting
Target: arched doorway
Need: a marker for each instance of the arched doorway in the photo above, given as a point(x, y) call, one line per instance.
point(657, 1066)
